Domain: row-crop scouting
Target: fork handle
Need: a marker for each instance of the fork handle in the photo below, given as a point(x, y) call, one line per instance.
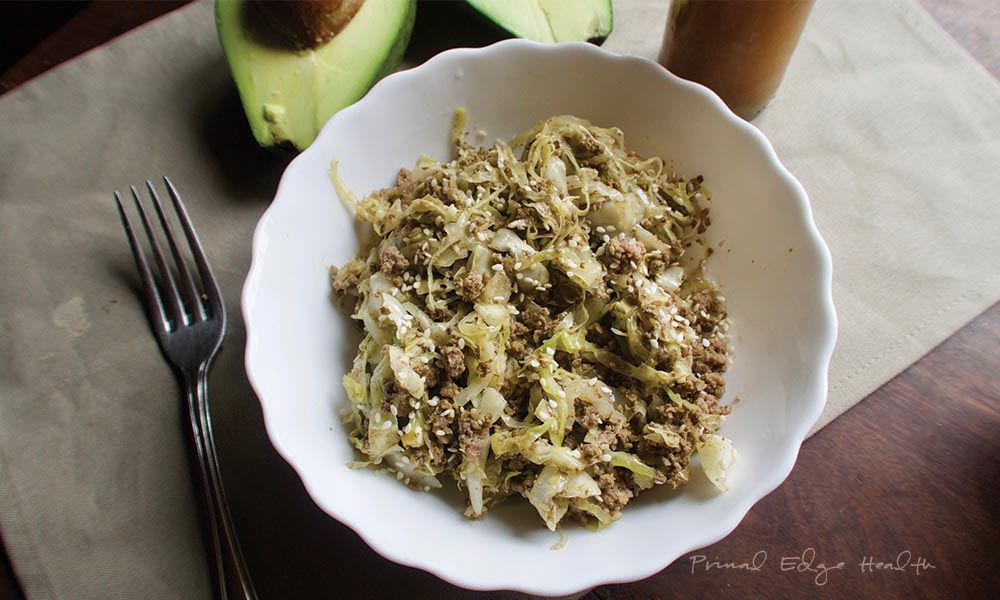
point(232, 578)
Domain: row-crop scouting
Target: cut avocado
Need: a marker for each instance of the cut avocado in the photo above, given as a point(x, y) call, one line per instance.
point(550, 20)
point(289, 93)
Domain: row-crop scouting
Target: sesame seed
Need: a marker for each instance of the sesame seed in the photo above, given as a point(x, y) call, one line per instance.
point(386, 425)
point(439, 432)
point(705, 343)
point(497, 267)
point(606, 457)
point(448, 413)
point(606, 238)
point(632, 264)
point(534, 364)
point(517, 265)
point(600, 229)
point(498, 298)
point(593, 381)
point(399, 475)
point(427, 231)
point(433, 401)
point(393, 410)
point(519, 275)
point(427, 488)
point(550, 351)
point(553, 404)
point(631, 289)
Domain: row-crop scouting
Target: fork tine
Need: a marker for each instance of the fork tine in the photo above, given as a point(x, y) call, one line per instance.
point(175, 311)
point(188, 289)
point(208, 280)
point(151, 295)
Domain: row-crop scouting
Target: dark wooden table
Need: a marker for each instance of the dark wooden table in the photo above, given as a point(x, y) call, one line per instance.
point(909, 478)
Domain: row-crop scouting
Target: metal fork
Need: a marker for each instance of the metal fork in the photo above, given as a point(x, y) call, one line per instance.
point(189, 327)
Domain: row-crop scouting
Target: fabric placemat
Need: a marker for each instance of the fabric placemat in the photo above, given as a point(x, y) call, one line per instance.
point(891, 127)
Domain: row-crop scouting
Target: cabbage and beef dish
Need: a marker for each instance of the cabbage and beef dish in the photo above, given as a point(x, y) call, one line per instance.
point(537, 324)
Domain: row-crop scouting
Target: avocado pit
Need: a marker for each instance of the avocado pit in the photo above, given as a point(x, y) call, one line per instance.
point(308, 24)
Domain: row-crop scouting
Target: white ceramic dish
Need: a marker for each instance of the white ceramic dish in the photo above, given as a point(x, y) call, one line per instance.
point(774, 269)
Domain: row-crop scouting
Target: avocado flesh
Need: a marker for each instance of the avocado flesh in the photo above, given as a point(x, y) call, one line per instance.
point(288, 94)
point(550, 20)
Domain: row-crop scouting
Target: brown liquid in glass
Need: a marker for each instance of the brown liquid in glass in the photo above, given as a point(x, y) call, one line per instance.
point(737, 48)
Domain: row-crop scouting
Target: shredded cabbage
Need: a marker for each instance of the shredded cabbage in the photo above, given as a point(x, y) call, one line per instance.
point(537, 324)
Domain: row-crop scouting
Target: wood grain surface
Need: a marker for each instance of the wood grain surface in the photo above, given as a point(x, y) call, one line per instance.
point(898, 498)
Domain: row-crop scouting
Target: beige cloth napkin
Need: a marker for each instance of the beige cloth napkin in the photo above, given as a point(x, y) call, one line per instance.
point(893, 130)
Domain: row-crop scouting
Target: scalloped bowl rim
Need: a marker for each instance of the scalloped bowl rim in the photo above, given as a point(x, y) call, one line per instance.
point(823, 351)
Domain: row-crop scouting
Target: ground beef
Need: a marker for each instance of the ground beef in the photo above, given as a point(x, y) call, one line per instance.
point(715, 384)
point(448, 389)
point(626, 250)
point(590, 452)
point(614, 492)
point(472, 438)
point(454, 361)
point(392, 262)
point(657, 264)
point(516, 348)
point(342, 287)
point(707, 311)
point(537, 322)
point(470, 287)
point(429, 373)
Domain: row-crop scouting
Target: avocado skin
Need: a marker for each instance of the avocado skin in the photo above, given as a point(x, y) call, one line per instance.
point(286, 92)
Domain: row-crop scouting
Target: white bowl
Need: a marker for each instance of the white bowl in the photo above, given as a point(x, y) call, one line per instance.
point(774, 269)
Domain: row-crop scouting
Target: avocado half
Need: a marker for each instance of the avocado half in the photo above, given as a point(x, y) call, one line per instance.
point(550, 20)
point(288, 93)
